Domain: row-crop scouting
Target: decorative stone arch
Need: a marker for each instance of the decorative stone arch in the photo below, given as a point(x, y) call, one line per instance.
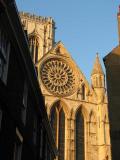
point(83, 110)
point(34, 44)
point(36, 34)
point(63, 105)
point(58, 75)
point(58, 114)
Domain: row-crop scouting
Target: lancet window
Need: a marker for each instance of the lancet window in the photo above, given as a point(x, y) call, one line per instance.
point(34, 45)
point(80, 136)
point(83, 92)
point(58, 126)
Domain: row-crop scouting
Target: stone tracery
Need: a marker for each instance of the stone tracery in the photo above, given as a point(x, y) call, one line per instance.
point(58, 77)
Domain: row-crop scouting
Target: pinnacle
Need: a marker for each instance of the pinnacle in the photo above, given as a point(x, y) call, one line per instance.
point(97, 68)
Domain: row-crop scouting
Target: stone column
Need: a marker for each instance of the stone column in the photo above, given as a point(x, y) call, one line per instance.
point(87, 143)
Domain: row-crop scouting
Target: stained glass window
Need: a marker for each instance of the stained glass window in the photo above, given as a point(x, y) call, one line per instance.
point(54, 122)
point(79, 136)
point(58, 126)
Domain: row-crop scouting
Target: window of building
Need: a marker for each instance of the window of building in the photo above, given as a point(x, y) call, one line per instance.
point(4, 55)
point(34, 45)
point(83, 92)
point(58, 125)
point(79, 136)
point(54, 122)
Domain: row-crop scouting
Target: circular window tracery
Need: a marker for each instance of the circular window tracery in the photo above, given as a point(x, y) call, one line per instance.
point(58, 77)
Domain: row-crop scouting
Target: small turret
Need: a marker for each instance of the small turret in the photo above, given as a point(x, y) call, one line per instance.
point(98, 79)
point(97, 75)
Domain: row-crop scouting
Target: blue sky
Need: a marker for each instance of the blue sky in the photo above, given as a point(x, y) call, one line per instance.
point(84, 26)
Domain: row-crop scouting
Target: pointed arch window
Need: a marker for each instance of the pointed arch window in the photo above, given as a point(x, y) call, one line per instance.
point(54, 122)
point(58, 126)
point(79, 136)
point(34, 45)
point(83, 92)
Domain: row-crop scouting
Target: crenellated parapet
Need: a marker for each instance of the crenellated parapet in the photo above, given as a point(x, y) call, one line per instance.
point(41, 27)
point(39, 19)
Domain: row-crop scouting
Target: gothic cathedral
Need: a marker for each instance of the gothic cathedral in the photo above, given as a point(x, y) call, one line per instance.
point(78, 111)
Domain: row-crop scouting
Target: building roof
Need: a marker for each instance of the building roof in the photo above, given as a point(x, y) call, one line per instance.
point(97, 68)
point(113, 58)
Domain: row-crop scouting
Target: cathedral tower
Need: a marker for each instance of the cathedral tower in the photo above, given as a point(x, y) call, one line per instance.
point(41, 34)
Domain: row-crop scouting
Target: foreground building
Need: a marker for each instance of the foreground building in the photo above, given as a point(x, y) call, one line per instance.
point(78, 112)
point(25, 131)
point(112, 65)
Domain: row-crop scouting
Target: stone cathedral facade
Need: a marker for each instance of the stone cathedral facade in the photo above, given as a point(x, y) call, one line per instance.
point(78, 111)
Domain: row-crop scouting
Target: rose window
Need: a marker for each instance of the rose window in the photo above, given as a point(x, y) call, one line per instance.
point(58, 77)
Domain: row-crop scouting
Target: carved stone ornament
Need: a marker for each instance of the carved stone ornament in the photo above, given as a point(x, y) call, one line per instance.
point(58, 77)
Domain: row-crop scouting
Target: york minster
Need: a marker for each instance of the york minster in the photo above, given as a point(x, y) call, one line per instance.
point(77, 110)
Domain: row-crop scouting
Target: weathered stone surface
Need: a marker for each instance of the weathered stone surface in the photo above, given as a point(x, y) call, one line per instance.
point(67, 93)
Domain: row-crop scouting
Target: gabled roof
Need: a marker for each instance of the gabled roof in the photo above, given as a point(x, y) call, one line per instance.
point(115, 51)
point(97, 68)
point(59, 49)
point(113, 58)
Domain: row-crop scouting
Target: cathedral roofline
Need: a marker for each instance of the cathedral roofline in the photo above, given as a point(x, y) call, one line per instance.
point(36, 18)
